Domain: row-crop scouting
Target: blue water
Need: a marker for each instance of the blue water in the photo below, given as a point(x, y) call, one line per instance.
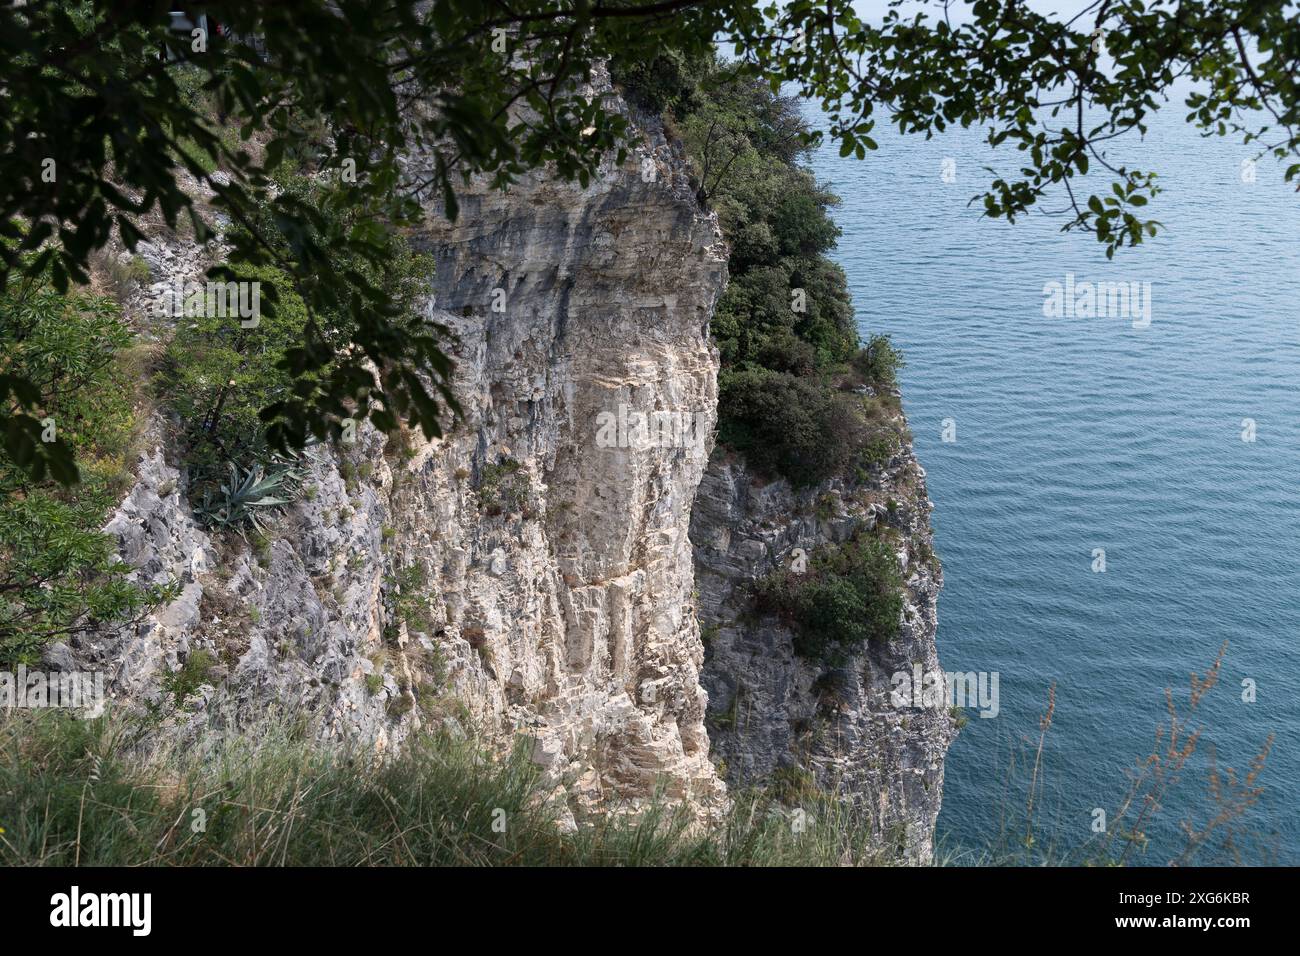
point(1083, 433)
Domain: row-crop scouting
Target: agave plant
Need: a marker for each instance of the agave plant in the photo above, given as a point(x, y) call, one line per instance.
point(250, 495)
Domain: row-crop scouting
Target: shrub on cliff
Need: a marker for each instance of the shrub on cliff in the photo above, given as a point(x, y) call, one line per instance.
point(784, 326)
point(849, 595)
point(747, 146)
point(220, 371)
point(787, 424)
point(59, 573)
point(227, 378)
point(878, 362)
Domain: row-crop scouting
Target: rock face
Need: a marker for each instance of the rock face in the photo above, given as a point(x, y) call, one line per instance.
point(558, 539)
point(530, 573)
point(774, 713)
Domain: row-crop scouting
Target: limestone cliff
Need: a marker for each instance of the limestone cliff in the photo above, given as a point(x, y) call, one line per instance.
point(519, 575)
point(532, 574)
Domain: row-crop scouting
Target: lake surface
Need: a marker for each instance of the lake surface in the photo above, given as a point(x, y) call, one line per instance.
point(1074, 434)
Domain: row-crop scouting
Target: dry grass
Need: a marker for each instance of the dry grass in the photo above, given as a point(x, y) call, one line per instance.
point(90, 793)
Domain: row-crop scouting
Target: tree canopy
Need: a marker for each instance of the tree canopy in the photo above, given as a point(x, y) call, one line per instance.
point(99, 128)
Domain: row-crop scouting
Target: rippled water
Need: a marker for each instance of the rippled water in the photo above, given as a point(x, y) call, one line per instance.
point(1083, 433)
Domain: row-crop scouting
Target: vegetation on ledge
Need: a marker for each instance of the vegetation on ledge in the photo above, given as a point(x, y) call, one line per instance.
point(222, 375)
point(60, 571)
point(794, 378)
point(850, 594)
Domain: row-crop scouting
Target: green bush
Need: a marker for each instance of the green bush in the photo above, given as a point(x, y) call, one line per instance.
point(784, 326)
point(878, 362)
point(504, 489)
point(876, 452)
point(667, 81)
point(60, 572)
point(190, 676)
point(793, 426)
point(849, 595)
point(409, 601)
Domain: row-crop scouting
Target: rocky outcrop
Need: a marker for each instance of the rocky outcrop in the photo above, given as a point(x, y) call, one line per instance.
point(774, 713)
point(529, 573)
point(559, 545)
